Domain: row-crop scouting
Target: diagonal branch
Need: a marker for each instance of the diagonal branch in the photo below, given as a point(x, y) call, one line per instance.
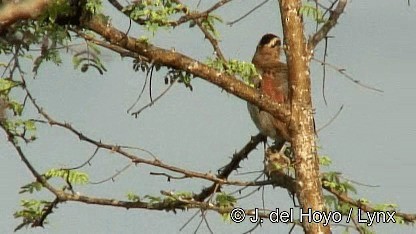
point(328, 25)
point(234, 164)
point(189, 15)
point(132, 157)
point(408, 218)
point(182, 62)
point(13, 12)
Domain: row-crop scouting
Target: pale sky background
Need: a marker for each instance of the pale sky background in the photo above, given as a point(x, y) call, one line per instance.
point(372, 141)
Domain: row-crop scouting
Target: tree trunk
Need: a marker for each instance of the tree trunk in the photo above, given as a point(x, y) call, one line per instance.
point(302, 129)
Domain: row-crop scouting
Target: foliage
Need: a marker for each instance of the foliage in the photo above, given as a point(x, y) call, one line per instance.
point(70, 176)
point(209, 24)
point(155, 14)
point(22, 128)
point(94, 6)
point(182, 77)
point(224, 200)
point(325, 161)
point(246, 71)
point(32, 211)
point(332, 180)
point(87, 58)
point(133, 197)
point(312, 11)
point(57, 7)
point(6, 85)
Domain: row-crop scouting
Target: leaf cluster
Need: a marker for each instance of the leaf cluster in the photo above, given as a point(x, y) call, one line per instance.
point(87, 58)
point(155, 14)
point(33, 210)
point(245, 70)
point(313, 12)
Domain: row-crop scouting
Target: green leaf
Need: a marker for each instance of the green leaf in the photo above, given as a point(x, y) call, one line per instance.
point(94, 6)
point(153, 199)
point(225, 200)
point(325, 161)
point(133, 197)
point(313, 12)
point(385, 206)
point(246, 71)
point(72, 176)
point(331, 201)
point(31, 187)
point(6, 85)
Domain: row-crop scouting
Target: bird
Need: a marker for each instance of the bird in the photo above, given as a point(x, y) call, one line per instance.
point(272, 81)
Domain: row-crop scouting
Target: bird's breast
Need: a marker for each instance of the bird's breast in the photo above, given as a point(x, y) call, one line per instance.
point(273, 89)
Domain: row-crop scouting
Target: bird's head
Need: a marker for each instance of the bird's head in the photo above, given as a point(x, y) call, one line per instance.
point(269, 48)
point(270, 40)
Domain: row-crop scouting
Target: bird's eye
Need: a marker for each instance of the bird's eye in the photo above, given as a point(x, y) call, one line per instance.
point(277, 42)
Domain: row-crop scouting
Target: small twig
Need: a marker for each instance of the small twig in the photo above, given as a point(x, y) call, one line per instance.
point(45, 213)
point(359, 183)
point(138, 148)
point(346, 75)
point(200, 222)
point(249, 193)
point(118, 49)
point(248, 172)
point(242, 189)
point(208, 35)
point(138, 160)
point(86, 162)
point(113, 176)
point(331, 120)
point(292, 228)
point(247, 14)
point(189, 16)
point(263, 203)
point(189, 220)
point(232, 165)
point(212, 40)
point(200, 211)
point(324, 70)
point(328, 25)
point(408, 218)
point(327, 9)
point(168, 176)
point(357, 226)
point(150, 82)
point(140, 95)
point(136, 113)
point(206, 223)
point(258, 224)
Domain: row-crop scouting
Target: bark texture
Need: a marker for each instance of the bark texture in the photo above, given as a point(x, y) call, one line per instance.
point(302, 129)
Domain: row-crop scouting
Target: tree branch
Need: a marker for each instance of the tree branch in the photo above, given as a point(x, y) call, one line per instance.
point(408, 218)
point(182, 62)
point(13, 12)
point(301, 128)
point(328, 25)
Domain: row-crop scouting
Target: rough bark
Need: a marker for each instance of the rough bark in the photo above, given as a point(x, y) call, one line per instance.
point(302, 130)
point(12, 12)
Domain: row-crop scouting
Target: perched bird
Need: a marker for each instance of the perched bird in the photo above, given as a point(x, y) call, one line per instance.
point(273, 82)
